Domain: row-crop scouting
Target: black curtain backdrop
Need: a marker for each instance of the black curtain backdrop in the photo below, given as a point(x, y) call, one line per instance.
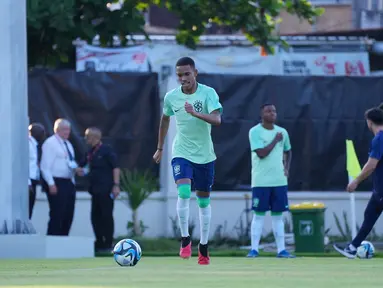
point(319, 113)
point(125, 106)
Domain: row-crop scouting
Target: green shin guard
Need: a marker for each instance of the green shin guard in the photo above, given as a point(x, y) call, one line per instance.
point(203, 202)
point(184, 191)
point(260, 213)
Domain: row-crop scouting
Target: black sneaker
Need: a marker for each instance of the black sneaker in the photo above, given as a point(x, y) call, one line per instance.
point(347, 252)
point(203, 254)
point(186, 249)
point(185, 241)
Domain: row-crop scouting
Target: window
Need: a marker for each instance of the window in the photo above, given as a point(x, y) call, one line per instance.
point(330, 2)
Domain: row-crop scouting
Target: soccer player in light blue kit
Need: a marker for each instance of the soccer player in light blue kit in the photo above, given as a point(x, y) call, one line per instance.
point(196, 107)
point(271, 157)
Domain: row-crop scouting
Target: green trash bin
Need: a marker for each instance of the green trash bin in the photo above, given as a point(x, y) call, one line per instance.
point(308, 224)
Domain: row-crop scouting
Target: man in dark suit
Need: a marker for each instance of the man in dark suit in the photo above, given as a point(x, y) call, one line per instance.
point(104, 186)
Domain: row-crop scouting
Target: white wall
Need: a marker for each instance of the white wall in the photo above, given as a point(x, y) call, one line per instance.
point(227, 206)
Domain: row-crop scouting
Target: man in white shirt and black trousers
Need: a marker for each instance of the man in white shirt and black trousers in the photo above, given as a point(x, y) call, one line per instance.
point(58, 167)
point(36, 137)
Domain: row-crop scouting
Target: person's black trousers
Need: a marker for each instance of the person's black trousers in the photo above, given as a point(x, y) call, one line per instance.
point(32, 197)
point(102, 219)
point(61, 207)
point(372, 213)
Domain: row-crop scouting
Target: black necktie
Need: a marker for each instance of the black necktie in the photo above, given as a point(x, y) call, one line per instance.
point(39, 153)
point(67, 149)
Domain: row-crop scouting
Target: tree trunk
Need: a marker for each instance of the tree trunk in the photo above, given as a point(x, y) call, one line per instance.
point(136, 224)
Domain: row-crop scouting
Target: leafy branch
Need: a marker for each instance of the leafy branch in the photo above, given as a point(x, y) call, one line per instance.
point(52, 25)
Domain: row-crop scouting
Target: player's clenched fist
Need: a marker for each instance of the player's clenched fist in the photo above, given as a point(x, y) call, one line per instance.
point(189, 108)
point(279, 136)
point(157, 156)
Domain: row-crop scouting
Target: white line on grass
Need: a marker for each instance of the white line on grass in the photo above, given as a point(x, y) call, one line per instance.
point(74, 270)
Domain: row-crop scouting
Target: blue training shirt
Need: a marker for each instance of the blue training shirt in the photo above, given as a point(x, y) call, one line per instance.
point(376, 152)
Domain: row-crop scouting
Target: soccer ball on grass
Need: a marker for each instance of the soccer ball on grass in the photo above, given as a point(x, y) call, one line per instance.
point(127, 252)
point(366, 250)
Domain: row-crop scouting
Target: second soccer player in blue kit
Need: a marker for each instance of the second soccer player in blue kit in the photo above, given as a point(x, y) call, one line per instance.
point(374, 166)
point(196, 107)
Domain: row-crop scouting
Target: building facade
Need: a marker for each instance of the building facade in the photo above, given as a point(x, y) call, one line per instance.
point(339, 15)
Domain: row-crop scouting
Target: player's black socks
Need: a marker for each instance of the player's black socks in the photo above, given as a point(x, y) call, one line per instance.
point(185, 241)
point(203, 249)
point(371, 214)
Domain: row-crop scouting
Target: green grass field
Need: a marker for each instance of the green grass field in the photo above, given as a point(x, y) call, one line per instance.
point(161, 272)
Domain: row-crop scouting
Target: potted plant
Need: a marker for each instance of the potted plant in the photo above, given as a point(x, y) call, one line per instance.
point(136, 187)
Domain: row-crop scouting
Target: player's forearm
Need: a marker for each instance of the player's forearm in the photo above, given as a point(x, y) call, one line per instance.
point(164, 126)
point(365, 173)
point(287, 160)
point(264, 152)
point(213, 119)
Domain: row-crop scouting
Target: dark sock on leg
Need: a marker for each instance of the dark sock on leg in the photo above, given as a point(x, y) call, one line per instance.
point(185, 241)
point(371, 214)
point(203, 249)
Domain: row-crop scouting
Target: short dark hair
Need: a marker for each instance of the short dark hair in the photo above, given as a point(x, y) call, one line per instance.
point(265, 105)
point(375, 115)
point(37, 131)
point(184, 61)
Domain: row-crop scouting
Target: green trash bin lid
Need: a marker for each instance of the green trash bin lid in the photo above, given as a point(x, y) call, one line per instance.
point(308, 206)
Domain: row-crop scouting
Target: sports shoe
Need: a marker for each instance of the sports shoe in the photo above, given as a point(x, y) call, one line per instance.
point(252, 254)
point(185, 250)
point(285, 254)
point(203, 255)
point(347, 252)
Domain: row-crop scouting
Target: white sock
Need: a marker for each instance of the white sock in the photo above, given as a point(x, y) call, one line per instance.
point(183, 215)
point(204, 220)
point(256, 231)
point(279, 231)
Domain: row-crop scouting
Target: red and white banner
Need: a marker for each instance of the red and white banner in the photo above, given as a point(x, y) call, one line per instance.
point(231, 60)
point(228, 60)
point(325, 64)
point(111, 59)
point(225, 60)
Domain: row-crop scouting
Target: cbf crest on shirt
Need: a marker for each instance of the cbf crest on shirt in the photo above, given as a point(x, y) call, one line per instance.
point(193, 139)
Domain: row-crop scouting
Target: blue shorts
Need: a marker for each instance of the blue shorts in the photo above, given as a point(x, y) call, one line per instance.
point(272, 199)
point(201, 175)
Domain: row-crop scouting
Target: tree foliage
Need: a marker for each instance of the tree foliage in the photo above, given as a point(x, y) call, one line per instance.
point(256, 19)
point(52, 25)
